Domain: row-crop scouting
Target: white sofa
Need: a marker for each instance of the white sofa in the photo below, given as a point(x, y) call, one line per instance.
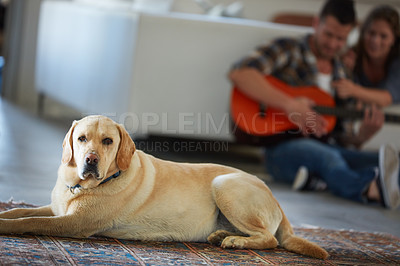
point(158, 73)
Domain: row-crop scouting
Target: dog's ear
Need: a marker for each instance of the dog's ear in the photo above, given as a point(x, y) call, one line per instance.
point(126, 149)
point(68, 151)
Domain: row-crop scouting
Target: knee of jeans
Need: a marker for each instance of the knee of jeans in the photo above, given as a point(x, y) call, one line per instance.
point(332, 160)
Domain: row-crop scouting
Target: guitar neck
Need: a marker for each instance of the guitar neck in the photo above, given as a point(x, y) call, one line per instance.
point(392, 118)
point(351, 114)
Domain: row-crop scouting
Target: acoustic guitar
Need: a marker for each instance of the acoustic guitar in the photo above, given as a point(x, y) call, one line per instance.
point(258, 124)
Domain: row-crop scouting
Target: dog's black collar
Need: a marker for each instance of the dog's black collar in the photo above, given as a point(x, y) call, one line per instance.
point(71, 188)
point(111, 177)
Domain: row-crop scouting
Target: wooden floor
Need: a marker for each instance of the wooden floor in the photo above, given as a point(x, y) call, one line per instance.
point(30, 152)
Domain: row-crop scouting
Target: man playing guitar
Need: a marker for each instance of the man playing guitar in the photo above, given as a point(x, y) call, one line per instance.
point(313, 61)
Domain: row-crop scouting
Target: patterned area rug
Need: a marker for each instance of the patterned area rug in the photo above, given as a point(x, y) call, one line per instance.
point(345, 248)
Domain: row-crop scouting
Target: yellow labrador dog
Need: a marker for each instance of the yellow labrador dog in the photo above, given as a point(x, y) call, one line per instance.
point(105, 187)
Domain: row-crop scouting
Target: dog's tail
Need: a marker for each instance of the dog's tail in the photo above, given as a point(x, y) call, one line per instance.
point(289, 241)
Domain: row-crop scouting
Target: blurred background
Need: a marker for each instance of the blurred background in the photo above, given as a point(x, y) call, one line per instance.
point(157, 66)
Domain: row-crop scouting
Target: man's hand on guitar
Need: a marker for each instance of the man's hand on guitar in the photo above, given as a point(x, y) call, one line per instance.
point(372, 122)
point(300, 112)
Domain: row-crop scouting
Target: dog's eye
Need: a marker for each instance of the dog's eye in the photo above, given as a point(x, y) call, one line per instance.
point(107, 141)
point(82, 139)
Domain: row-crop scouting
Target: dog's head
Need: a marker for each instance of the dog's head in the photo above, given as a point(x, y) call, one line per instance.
point(97, 147)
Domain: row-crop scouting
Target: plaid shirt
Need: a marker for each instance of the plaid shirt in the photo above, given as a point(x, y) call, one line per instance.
point(290, 60)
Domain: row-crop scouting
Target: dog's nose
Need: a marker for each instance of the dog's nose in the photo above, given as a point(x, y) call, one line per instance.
point(91, 159)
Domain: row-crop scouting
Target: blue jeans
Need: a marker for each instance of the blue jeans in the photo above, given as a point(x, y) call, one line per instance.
point(348, 173)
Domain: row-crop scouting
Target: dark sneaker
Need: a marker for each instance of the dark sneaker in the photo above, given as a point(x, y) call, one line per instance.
point(304, 182)
point(389, 176)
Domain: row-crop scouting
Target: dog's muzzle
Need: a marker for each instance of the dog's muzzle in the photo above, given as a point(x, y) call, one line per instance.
point(90, 168)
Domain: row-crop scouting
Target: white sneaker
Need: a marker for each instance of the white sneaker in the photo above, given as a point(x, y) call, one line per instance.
point(304, 182)
point(300, 181)
point(389, 176)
